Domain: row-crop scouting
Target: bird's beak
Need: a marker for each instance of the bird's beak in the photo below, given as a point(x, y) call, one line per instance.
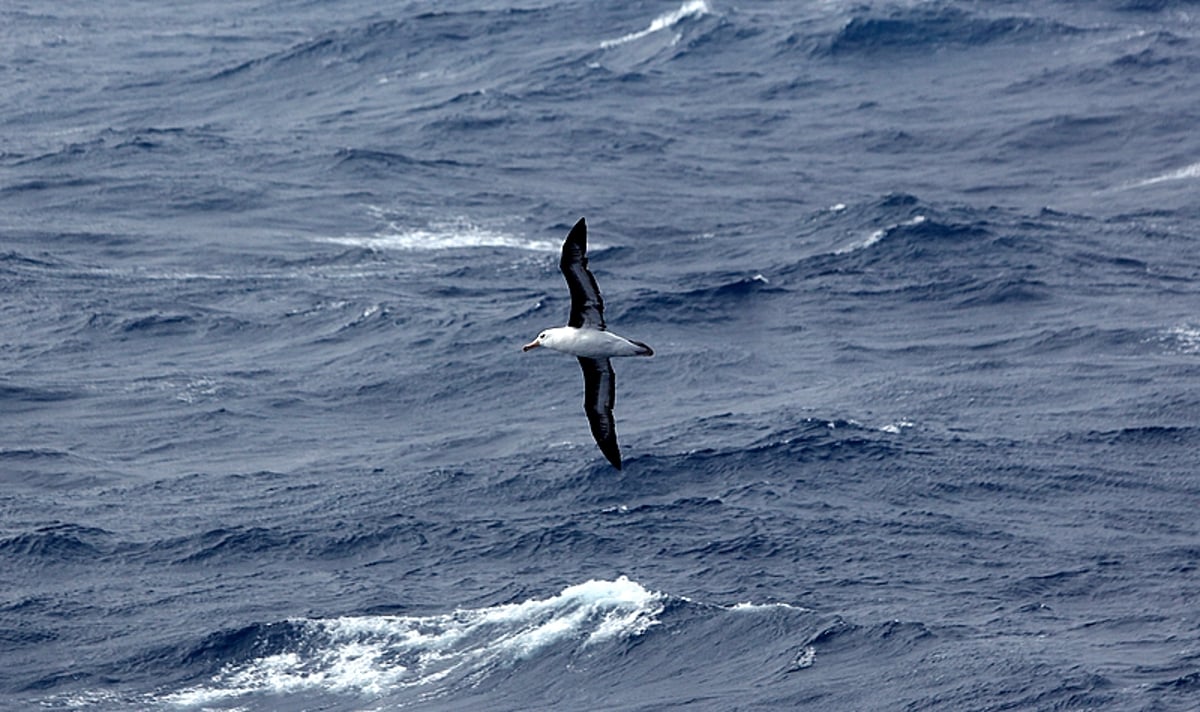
point(531, 345)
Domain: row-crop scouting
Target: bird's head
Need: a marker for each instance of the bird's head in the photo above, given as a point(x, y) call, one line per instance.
point(548, 338)
point(539, 341)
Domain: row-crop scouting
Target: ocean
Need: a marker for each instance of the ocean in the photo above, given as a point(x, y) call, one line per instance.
point(921, 430)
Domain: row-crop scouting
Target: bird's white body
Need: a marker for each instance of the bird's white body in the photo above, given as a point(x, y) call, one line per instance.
point(590, 343)
point(586, 337)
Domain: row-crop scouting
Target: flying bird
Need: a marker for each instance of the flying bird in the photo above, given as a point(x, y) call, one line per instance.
point(586, 338)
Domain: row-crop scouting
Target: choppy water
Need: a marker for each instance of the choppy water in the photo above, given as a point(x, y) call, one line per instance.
point(921, 431)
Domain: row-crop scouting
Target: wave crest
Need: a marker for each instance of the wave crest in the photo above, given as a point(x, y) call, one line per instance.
point(927, 28)
point(374, 655)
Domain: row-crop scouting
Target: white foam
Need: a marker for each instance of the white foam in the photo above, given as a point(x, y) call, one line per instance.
point(1185, 338)
point(896, 428)
point(877, 236)
point(370, 655)
point(805, 658)
point(690, 8)
point(746, 606)
point(1188, 172)
point(451, 235)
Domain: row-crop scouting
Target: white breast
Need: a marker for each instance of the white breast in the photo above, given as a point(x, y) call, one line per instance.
point(591, 343)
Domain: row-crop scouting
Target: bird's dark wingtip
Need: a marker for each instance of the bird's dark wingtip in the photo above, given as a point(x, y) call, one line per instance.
point(580, 229)
point(611, 451)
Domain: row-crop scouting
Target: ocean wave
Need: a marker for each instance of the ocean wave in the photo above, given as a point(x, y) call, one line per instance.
point(1150, 6)
point(240, 543)
point(776, 453)
point(1190, 172)
point(116, 146)
point(381, 163)
point(532, 649)
point(14, 396)
point(878, 235)
point(23, 263)
point(421, 657)
point(351, 45)
point(445, 235)
point(911, 230)
point(729, 298)
point(268, 267)
point(1141, 59)
point(166, 325)
point(1005, 289)
point(1061, 132)
point(926, 27)
point(365, 54)
point(1151, 436)
point(903, 247)
point(689, 9)
point(1183, 338)
point(54, 545)
point(45, 468)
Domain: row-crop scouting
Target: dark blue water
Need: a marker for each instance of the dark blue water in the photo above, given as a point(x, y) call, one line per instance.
point(921, 433)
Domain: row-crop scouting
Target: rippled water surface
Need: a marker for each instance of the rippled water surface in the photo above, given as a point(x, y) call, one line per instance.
point(920, 432)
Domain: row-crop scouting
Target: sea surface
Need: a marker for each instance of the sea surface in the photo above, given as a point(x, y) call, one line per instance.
point(922, 430)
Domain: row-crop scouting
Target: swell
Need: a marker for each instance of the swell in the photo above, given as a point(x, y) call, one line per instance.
point(729, 298)
point(973, 257)
point(927, 27)
point(619, 635)
point(55, 544)
point(375, 43)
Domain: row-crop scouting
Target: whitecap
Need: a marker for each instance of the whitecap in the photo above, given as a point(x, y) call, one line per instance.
point(897, 427)
point(747, 606)
point(878, 235)
point(449, 235)
point(372, 655)
point(1184, 338)
point(690, 8)
point(805, 658)
point(1185, 173)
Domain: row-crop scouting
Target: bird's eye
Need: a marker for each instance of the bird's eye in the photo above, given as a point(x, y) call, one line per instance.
point(542, 335)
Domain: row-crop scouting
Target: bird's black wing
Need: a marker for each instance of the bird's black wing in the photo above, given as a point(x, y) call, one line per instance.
point(599, 392)
point(587, 308)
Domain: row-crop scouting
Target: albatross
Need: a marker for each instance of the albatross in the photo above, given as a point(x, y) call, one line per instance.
point(586, 337)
